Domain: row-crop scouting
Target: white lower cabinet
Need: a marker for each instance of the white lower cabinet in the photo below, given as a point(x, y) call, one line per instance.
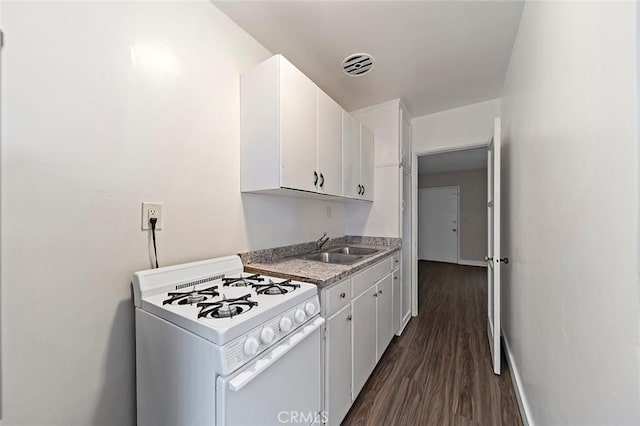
point(384, 314)
point(364, 337)
point(360, 325)
point(337, 390)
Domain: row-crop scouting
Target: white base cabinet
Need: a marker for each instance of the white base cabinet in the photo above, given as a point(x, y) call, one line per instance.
point(360, 325)
point(337, 392)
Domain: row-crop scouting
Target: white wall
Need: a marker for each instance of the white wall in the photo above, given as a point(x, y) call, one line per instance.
point(104, 105)
point(571, 297)
point(473, 208)
point(458, 127)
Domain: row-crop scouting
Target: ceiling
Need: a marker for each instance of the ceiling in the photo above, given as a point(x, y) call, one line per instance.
point(468, 159)
point(435, 55)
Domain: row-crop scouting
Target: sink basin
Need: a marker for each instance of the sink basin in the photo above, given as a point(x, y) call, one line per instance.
point(359, 251)
point(339, 258)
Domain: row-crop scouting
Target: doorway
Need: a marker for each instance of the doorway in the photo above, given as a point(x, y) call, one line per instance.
point(452, 206)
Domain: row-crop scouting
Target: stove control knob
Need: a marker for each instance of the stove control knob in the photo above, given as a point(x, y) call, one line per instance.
point(251, 346)
point(310, 309)
point(285, 324)
point(267, 335)
point(299, 315)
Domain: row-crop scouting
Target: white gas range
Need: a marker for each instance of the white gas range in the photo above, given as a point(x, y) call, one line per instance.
point(217, 346)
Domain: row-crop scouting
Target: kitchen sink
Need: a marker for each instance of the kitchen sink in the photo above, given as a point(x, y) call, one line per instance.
point(359, 251)
point(338, 258)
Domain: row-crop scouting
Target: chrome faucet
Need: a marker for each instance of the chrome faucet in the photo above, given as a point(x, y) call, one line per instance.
point(322, 241)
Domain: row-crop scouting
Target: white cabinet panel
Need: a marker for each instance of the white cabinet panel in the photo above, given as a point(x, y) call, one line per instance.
point(350, 156)
point(338, 366)
point(406, 145)
point(407, 245)
point(329, 145)
point(299, 128)
point(366, 163)
point(397, 301)
point(384, 314)
point(363, 309)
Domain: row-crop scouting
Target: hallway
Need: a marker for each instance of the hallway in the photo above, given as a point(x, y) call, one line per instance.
point(439, 372)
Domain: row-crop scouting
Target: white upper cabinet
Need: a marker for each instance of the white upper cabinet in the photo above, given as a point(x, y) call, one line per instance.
point(350, 156)
point(295, 139)
point(357, 159)
point(291, 133)
point(298, 129)
point(329, 145)
point(366, 163)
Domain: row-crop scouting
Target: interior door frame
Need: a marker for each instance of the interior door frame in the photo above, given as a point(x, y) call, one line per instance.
point(457, 188)
point(414, 209)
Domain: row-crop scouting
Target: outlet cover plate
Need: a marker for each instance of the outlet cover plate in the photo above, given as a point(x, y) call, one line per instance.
point(147, 211)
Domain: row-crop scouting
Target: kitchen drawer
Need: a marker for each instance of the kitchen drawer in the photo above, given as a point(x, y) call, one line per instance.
point(368, 277)
point(336, 297)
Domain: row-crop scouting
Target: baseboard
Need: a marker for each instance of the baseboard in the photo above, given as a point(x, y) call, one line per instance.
point(472, 263)
point(525, 412)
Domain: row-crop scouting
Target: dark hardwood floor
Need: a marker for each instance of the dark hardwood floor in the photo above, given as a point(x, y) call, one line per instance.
point(439, 371)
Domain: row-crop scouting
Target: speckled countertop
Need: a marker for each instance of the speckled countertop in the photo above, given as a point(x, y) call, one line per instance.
point(281, 261)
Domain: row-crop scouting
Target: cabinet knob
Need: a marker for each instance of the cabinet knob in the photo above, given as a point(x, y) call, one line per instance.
point(395, 277)
point(315, 178)
point(321, 180)
point(379, 291)
point(343, 295)
point(375, 294)
point(349, 317)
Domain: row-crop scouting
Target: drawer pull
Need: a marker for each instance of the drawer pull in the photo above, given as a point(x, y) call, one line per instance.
point(349, 317)
point(343, 295)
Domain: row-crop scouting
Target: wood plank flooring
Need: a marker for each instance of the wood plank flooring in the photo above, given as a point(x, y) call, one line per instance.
point(439, 371)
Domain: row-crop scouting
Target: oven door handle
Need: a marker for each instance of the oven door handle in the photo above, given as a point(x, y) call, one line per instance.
point(242, 379)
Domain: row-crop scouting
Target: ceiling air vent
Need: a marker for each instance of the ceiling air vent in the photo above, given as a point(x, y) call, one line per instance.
point(358, 64)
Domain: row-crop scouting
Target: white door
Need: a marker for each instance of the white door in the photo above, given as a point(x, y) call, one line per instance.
point(329, 145)
point(337, 388)
point(384, 314)
point(493, 249)
point(366, 163)
point(438, 224)
point(363, 309)
point(299, 129)
point(350, 156)
point(406, 246)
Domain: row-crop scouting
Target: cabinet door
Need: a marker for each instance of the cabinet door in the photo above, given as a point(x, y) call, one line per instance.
point(384, 314)
point(397, 301)
point(350, 156)
point(329, 145)
point(363, 309)
point(298, 128)
point(405, 258)
point(366, 162)
point(338, 366)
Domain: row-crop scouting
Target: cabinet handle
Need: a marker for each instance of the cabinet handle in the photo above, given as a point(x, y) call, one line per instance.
point(375, 294)
point(349, 317)
point(343, 295)
point(359, 189)
point(397, 261)
point(315, 178)
point(363, 189)
point(321, 180)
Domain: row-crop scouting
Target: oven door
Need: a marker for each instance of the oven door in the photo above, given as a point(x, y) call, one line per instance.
point(281, 386)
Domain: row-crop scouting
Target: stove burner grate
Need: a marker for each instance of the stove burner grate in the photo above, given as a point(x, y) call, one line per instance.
point(226, 308)
point(272, 288)
point(241, 281)
point(191, 297)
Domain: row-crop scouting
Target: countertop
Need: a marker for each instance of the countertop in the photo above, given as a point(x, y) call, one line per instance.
point(319, 273)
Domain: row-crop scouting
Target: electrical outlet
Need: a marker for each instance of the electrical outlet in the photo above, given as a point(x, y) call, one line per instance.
point(150, 210)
